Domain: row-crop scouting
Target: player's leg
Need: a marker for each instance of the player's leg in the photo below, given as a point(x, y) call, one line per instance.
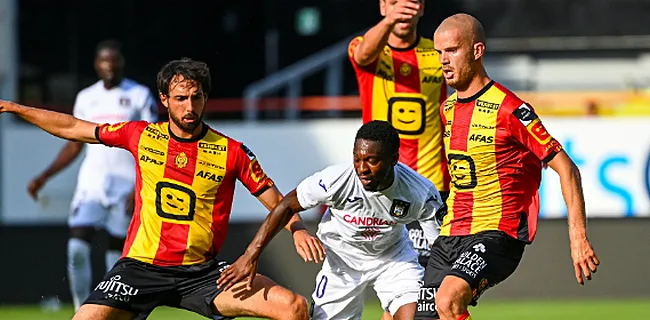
point(485, 260)
point(117, 224)
point(82, 223)
point(100, 312)
point(397, 284)
point(453, 298)
point(266, 299)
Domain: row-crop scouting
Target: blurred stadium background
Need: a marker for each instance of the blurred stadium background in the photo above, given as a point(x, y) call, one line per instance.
point(282, 84)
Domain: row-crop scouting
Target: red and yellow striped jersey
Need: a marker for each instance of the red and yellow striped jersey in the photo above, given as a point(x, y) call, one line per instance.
point(184, 190)
point(496, 146)
point(405, 88)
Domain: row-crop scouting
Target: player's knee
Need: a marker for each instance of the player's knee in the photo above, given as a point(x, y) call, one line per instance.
point(297, 308)
point(449, 305)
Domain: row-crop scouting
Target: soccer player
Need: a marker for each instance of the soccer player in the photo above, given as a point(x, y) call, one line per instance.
point(106, 179)
point(185, 180)
point(363, 231)
point(400, 81)
point(497, 147)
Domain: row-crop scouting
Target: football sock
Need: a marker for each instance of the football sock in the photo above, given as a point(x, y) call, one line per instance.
point(465, 316)
point(79, 272)
point(111, 257)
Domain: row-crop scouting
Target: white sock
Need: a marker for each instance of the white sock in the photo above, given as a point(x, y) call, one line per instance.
point(111, 257)
point(79, 272)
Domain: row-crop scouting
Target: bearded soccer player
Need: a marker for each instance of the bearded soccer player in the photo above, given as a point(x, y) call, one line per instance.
point(185, 180)
point(400, 81)
point(496, 146)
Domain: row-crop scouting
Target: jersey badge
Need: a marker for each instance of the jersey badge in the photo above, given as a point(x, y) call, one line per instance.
point(405, 69)
point(125, 102)
point(181, 160)
point(400, 208)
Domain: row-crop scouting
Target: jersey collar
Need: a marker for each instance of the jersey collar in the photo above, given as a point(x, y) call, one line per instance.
point(204, 131)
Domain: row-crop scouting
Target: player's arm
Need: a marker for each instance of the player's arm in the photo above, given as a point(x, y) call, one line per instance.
point(270, 199)
point(433, 211)
point(526, 127)
point(375, 39)
point(279, 217)
point(585, 260)
point(66, 156)
point(55, 123)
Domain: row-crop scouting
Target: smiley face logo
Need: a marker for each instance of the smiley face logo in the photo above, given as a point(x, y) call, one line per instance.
point(407, 114)
point(175, 201)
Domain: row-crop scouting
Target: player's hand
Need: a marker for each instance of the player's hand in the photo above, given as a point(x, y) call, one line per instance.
point(245, 266)
point(6, 106)
point(35, 186)
point(584, 258)
point(403, 11)
point(308, 246)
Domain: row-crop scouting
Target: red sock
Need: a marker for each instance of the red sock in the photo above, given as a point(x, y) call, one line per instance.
point(465, 316)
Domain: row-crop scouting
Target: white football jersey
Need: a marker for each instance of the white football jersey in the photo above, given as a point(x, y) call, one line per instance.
point(366, 228)
point(105, 169)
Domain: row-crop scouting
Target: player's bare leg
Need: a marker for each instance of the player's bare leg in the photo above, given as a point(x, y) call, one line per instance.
point(100, 312)
point(405, 312)
point(265, 299)
point(452, 298)
point(386, 316)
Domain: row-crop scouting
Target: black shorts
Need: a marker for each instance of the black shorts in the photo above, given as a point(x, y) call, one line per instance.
point(417, 237)
point(483, 260)
point(140, 287)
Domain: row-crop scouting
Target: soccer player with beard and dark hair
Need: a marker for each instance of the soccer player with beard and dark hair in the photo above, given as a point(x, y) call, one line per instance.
point(185, 182)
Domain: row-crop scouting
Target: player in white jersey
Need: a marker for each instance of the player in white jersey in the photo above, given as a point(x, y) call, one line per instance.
point(106, 180)
point(363, 231)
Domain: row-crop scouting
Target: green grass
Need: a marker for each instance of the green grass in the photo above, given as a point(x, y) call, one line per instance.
point(487, 310)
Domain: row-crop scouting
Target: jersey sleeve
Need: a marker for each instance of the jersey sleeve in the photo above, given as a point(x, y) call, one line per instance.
point(352, 47)
point(250, 172)
point(432, 212)
point(320, 188)
point(527, 128)
point(149, 111)
point(118, 134)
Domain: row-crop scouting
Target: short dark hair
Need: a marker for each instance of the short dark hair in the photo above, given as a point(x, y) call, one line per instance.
point(383, 132)
point(189, 69)
point(109, 44)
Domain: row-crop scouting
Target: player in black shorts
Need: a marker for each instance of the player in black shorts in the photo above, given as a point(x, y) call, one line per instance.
point(185, 183)
point(496, 146)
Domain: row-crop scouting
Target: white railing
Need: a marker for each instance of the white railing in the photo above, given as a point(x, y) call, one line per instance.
point(330, 59)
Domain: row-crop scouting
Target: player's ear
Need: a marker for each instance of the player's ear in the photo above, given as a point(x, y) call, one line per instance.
point(479, 50)
point(164, 99)
point(421, 2)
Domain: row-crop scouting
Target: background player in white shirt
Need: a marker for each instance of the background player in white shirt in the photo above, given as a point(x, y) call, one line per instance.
point(363, 232)
point(106, 180)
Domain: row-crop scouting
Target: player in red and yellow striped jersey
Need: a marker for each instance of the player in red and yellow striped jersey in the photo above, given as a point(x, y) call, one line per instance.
point(400, 81)
point(496, 146)
point(185, 179)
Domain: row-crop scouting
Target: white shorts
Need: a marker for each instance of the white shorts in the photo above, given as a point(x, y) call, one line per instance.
point(93, 214)
point(339, 292)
